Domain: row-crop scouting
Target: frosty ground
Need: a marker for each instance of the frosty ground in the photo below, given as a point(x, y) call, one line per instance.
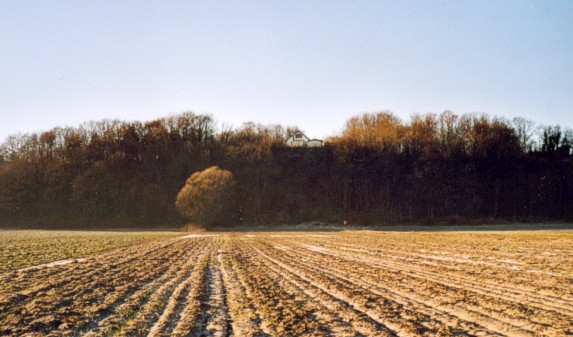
point(515, 282)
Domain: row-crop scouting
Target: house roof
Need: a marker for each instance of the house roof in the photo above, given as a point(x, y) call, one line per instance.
point(296, 132)
point(305, 137)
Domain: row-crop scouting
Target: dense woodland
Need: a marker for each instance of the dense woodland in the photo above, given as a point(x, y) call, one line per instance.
point(380, 169)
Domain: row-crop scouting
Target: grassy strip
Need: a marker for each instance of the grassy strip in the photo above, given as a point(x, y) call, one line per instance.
point(24, 248)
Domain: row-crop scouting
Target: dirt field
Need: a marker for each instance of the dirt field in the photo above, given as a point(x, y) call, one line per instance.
point(352, 283)
point(25, 248)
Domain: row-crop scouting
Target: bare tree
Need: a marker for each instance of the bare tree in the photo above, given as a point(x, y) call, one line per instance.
point(524, 130)
point(382, 129)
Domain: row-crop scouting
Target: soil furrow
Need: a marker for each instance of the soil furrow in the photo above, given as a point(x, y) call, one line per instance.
point(487, 315)
point(244, 313)
point(150, 311)
point(87, 300)
point(190, 320)
point(455, 260)
point(348, 284)
point(410, 303)
point(523, 315)
point(284, 312)
point(184, 296)
point(337, 314)
point(391, 313)
point(485, 286)
point(28, 285)
point(215, 319)
point(127, 307)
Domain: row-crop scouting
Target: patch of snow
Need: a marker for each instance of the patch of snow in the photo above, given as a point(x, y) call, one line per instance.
point(510, 261)
point(192, 236)
point(315, 248)
point(354, 250)
point(542, 272)
point(53, 264)
point(300, 235)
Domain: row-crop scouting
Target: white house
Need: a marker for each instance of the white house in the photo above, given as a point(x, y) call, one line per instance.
point(298, 139)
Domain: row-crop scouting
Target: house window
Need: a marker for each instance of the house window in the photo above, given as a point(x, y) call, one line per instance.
point(298, 136)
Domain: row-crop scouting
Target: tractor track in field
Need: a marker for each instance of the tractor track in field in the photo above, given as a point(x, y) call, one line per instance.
point(261, 285)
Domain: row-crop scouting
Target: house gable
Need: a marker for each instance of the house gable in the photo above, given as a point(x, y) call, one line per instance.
point(299, 139)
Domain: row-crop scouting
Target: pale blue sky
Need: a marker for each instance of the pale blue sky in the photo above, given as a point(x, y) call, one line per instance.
point(308, 63)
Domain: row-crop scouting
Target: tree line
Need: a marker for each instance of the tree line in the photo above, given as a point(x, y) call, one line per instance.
point(379, 169)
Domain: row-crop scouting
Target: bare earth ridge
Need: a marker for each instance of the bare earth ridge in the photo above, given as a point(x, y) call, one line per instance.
point(351, 283)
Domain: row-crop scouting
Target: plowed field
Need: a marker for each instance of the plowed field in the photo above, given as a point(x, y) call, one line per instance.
point(304, 284)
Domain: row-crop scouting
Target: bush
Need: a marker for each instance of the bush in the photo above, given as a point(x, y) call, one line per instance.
point(208, 197)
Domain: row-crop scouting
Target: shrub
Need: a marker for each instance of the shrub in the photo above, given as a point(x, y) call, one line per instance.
point(208, 197)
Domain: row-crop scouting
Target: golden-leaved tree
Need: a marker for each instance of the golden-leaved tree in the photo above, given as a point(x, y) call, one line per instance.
point(208, 197)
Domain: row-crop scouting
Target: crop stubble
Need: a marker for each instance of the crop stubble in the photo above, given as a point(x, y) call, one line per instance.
point(304, 284)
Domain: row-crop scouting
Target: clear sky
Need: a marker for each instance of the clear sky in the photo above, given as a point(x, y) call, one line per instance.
point(308, 63)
